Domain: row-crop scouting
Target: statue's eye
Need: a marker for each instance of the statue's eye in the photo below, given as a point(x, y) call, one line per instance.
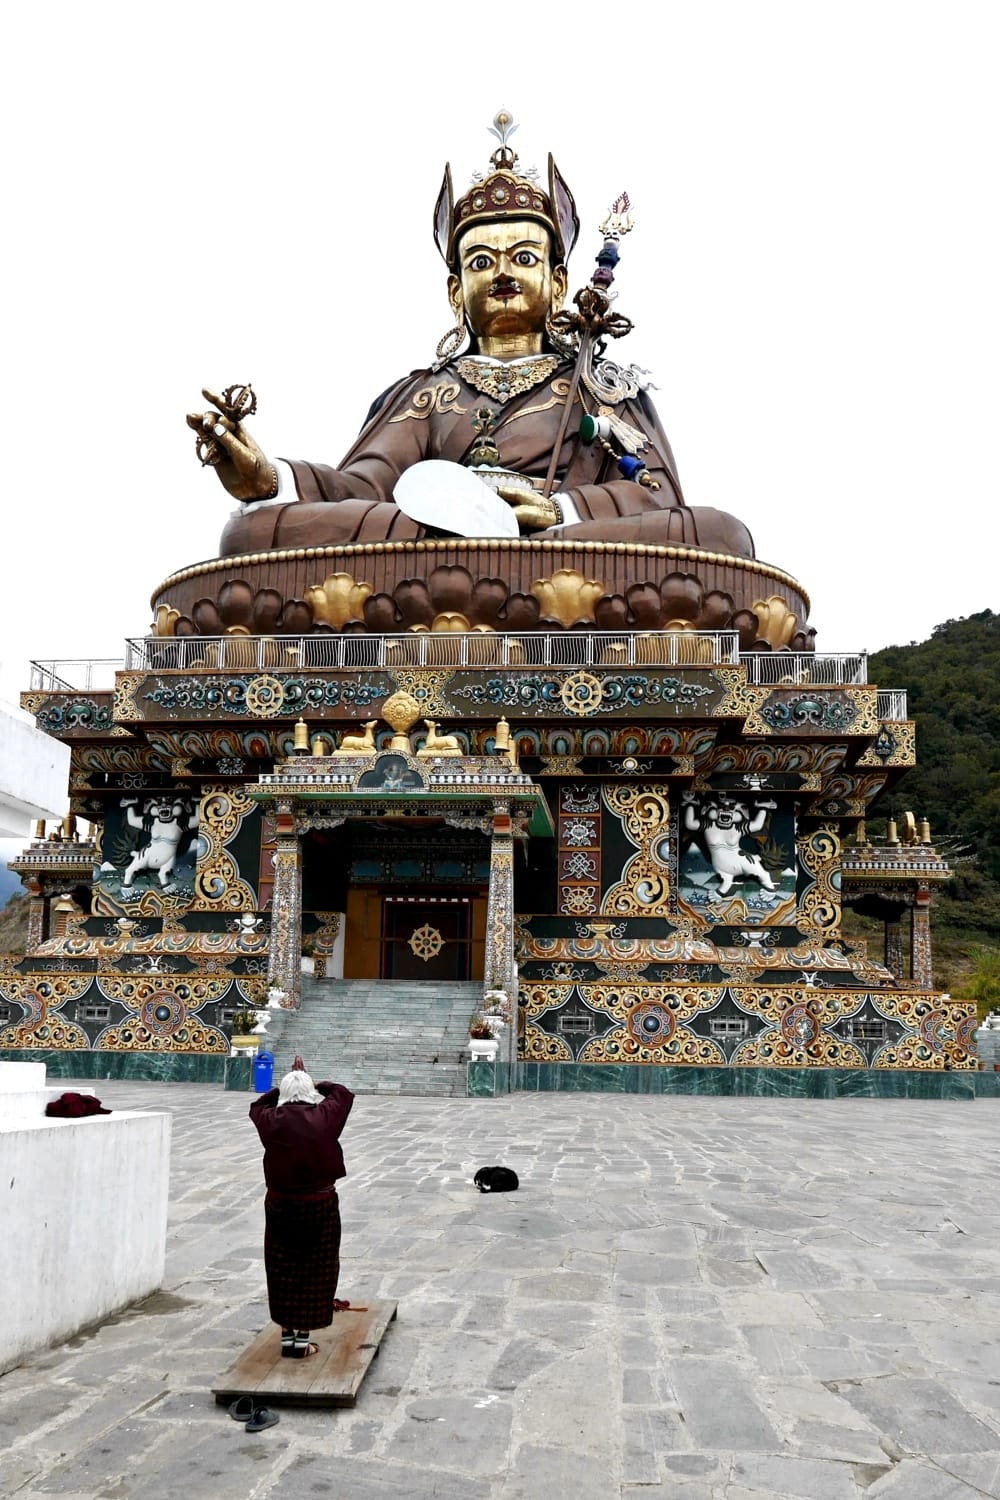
point(480, 263)
point(526, 258)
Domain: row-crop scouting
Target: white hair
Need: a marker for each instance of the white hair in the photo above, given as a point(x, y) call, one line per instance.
point(298, 1088)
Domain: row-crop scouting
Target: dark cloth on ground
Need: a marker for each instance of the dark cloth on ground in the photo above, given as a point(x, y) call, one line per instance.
point(71, 1106)
point(302, 1257)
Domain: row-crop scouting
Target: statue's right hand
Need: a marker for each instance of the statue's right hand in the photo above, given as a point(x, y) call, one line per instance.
point(244, 469)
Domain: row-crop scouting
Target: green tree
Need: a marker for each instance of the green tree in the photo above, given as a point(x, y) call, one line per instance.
point(953, 683)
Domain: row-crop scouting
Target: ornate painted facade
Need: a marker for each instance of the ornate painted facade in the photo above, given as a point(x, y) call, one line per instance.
point(655, 853)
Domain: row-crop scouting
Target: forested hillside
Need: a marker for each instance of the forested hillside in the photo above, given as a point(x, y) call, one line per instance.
point(953, 681)
point(14, 923)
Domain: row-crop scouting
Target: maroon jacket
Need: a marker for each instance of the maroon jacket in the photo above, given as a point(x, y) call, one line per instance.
point(302, 1141)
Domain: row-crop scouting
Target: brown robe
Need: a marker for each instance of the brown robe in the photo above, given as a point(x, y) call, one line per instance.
point(429, 415)
point(303, 1161)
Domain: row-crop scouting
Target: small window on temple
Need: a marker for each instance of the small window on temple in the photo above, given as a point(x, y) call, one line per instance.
point(6, 1012)
point(869, 1030)
point(94, 1012)
point(728, 1027)
point(576, 1025)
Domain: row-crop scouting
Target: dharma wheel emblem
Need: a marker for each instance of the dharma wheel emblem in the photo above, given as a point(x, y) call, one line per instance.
point(265, 696)
point(582, 693)
point(426, 942)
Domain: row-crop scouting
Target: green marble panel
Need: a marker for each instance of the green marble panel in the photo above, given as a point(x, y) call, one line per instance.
point(239, 1073)
point(786, 1083)
point(486, 1080)
point(142, 1067)
point(987, 1085)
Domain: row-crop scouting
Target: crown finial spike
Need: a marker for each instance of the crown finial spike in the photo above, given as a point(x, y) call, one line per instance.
point(503, 128)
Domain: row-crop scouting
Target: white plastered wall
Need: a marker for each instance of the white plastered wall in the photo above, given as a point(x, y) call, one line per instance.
point(34, 775)
point(83, 1204)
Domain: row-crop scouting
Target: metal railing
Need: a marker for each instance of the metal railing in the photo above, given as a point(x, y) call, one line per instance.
point(892, 704)
point(568, 648)
point(82, 674)
point(805, 669)
point(476, 649)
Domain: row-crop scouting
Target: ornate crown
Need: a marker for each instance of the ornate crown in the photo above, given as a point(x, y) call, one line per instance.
point(504, 193)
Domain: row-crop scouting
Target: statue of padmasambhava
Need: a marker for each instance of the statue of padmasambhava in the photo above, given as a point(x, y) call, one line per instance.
point(521, 426)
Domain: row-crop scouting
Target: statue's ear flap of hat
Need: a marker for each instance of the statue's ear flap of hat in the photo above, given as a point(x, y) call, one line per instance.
point(563, 209)
point(443, 210)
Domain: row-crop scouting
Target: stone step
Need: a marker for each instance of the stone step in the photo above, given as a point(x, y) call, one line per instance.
point(380, 1036)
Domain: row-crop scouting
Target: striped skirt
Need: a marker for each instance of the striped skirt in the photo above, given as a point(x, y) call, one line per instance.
point(302, 1258)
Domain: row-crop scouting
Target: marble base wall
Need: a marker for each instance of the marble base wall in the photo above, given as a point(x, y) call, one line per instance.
point(239, 1074)
point(143, 1067)
point(789, 1083)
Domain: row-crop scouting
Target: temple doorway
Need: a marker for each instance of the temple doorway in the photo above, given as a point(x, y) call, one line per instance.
point(426, 939)
point(413, 894)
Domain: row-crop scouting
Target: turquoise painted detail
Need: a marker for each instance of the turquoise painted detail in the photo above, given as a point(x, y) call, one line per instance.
point(58, 716)
point(810, 711)
point(540, 692)
point(299, 694)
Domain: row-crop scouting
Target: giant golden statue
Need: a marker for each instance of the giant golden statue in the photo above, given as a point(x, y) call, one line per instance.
point(506, 243)
point(522, 428)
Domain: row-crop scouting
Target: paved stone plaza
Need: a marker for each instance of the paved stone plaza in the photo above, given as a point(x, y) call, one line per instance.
point(700, 1299)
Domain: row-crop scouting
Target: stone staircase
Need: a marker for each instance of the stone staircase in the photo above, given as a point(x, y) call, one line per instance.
point(380, 1036)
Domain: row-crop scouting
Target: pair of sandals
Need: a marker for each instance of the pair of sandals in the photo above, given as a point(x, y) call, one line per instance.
point(255, 1418)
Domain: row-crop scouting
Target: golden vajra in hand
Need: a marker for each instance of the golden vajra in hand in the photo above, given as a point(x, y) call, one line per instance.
point(223, 443)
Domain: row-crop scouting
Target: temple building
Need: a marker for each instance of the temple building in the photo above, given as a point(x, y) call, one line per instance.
point(488, 706)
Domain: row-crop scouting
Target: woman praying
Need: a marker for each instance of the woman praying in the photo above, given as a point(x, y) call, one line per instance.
point(299, 1124)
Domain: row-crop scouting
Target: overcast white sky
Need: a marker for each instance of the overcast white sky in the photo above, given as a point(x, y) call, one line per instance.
point(205, 195)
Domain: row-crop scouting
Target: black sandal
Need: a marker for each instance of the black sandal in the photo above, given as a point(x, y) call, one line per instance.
point(262, 1417)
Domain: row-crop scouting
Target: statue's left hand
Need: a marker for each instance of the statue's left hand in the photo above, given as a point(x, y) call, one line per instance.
point(533, 512)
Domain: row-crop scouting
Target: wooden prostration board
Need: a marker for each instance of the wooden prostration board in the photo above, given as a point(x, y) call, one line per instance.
point(329, 1378)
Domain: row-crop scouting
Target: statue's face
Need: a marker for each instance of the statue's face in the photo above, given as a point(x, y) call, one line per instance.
point(506, 283)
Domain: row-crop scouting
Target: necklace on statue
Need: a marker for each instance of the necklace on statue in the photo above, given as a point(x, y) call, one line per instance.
point(501, 381)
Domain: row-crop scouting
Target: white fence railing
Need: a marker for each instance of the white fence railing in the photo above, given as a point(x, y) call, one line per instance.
point(475, 649)
point(82, 674)
point(805, 669)
point(567, 648)
point(892, 704)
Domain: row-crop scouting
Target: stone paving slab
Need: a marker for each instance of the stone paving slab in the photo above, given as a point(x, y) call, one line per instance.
point(706, 1299)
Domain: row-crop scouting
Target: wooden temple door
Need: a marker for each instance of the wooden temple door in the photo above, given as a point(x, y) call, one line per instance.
point(425, 939)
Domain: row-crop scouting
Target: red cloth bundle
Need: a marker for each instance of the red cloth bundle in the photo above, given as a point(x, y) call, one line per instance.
point(72, 1106)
